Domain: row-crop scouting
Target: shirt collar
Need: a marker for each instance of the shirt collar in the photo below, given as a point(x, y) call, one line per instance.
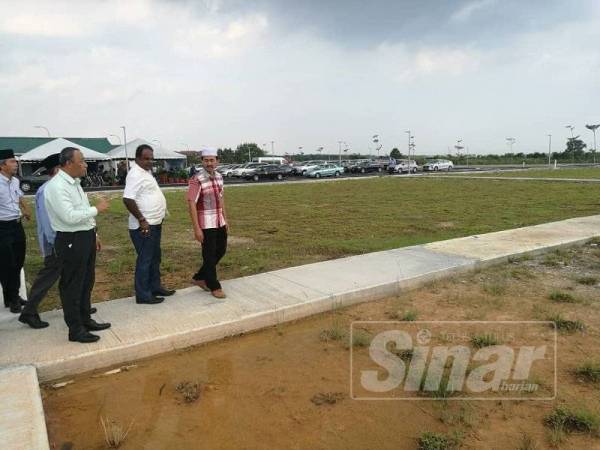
point(65, 176)
point(208, 175)
point(134, 165)
point(4, 177)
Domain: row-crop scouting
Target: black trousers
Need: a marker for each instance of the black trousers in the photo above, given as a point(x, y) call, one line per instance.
point(12, 258)
point(76, 253)
point(44, 280)
point(213, 249)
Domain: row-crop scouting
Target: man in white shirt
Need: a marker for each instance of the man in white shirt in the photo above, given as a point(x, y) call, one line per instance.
point(147, 207)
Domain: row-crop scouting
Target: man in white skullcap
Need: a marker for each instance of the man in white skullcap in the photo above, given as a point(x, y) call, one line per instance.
point(207, 210)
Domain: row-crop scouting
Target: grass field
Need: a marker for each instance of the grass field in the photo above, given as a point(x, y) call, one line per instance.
point(579, 173)
point(291, 224)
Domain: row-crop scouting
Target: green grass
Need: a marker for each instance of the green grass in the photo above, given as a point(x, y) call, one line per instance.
point(578, 173)
point(562, 297)
point(360, 338)
point(273, 227)
point(494, 289)
point(409, 316)
point(571, 421)
point(587, 281)
point(484, 340)
point(566, 325)
point(335, 332)
point(589, 371)
point(438, 441)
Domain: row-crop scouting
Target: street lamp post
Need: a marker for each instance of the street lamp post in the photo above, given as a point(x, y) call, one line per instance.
point(43, 128)
point(379, 145)
point(571, 127)
point(511, 141)
point(272, 148)
point(458, 147)
point(593, 129)
point(549, 148)
point(408, 150)
point(125, 143)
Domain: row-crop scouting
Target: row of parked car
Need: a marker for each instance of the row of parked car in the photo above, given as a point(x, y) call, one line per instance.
point(317, 168)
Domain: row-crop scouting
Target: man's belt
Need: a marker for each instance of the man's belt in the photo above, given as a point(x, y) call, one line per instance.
point(11, 221)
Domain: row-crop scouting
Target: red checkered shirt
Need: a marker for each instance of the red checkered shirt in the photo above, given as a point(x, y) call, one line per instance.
point(207, 193)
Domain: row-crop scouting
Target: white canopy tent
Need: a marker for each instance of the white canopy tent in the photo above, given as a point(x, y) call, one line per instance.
point(160, 153)
point(55, 146)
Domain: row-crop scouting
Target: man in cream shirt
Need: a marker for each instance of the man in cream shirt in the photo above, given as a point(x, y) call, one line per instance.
point(75, 245)
point(147, 207)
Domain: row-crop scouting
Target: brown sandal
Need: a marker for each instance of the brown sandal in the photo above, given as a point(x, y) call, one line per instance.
point(218, 293)
point(201, 284)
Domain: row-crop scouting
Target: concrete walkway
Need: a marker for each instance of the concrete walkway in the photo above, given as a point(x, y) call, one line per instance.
point(192, 316)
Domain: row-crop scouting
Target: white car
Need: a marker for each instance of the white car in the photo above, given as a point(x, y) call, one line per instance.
point(437, 165)
point(305, 167)
point(402, 166)
point(245, 168)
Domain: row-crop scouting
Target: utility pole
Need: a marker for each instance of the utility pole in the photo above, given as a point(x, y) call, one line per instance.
point(549, 148)
point(571, 127)
point(125, 143)
point(593, 129)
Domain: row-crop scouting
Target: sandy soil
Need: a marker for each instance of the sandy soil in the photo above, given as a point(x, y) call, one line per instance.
point(288, 387)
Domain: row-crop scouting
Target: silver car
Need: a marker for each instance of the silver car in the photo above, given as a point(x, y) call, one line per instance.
point(402, 166)
point(437, 165)
point(244, 168)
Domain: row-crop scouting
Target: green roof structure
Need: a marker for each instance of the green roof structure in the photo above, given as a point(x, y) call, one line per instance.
point(22, 145)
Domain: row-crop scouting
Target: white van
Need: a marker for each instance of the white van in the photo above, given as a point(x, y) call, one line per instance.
point(272, 160)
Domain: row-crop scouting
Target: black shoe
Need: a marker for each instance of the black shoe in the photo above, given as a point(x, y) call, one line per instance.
point(150, 301)
point(15, 308)
point(92, 325)
point(93, 310)
point(22, 301)
point(84, 337)
point(33, 321)
point(164, 292)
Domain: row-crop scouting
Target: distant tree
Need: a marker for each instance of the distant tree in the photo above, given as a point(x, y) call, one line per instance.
point(226, 155)
point(248, 149)
point(395, 153)
point(575, 148)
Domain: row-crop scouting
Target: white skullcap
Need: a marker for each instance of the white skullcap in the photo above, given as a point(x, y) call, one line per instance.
point(209, 151)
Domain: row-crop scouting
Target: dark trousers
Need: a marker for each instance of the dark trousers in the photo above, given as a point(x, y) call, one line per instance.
point(12, 258)
point(213, 249)
point(147, 264)
point(44, 280)
point(77, 257)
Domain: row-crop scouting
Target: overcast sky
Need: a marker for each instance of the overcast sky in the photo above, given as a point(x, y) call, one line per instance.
point(303, 72)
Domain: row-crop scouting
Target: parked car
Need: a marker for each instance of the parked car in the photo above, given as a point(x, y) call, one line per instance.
point(402, 166)
point(270, 171)
point(302, 168)
point(30, 183)
point(367, 166)
point(352, 164)
point(241, 171)
point(325, 170)
point(227, 170)
point(438, 164)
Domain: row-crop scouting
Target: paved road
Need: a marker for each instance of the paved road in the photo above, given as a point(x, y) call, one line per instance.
point(466, 170)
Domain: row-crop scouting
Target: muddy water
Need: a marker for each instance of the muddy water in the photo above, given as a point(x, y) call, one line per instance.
point(287, 388)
